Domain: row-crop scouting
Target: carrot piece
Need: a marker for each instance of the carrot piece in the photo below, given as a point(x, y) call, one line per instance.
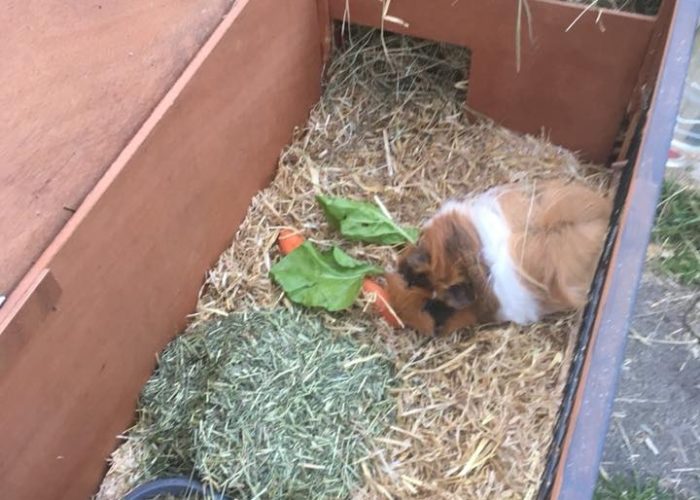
point(288, 240)
point(381, 304)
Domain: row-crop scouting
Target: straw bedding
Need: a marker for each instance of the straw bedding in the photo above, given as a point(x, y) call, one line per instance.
point(475, 409)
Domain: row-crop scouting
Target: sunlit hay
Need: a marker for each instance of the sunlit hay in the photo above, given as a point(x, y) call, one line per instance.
point(476, 409)
point(476, 412)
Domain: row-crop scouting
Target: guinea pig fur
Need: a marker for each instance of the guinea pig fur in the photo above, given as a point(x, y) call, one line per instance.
point(511, 254)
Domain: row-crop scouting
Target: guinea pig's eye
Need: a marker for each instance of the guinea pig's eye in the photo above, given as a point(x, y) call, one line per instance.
point(460, 295)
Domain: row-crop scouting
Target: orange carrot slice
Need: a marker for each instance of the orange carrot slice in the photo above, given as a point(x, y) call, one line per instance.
point(289, 240)
point(380, 302)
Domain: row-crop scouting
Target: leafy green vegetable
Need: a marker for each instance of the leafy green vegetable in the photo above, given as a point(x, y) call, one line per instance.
point(330, 279)
point(361, 221)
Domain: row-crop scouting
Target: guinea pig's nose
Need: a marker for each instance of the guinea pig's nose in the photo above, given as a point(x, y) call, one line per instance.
point(439, 311)
point(434, 294)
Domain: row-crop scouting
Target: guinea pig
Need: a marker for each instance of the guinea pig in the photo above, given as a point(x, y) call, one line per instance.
point(511, 254)
point(419, 310)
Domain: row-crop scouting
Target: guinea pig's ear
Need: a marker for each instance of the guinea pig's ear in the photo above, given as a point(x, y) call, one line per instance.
point(460, 295)
point(413, 267)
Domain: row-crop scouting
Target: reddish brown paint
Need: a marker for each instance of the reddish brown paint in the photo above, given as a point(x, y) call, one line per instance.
point(574, 86)
point(325, 28)
point(77, 80)
point(130, 262)
point(29, 311)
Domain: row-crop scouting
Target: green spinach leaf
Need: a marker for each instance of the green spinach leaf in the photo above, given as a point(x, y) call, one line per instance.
point(361, 221)
point(331, 279)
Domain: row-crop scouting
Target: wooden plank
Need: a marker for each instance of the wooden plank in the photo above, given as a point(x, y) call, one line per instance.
point(77, 81)
point(130, 262)
point(29, 313)
point(639, 103)
point(588, 423)
point(325, 27)
point(572, 85)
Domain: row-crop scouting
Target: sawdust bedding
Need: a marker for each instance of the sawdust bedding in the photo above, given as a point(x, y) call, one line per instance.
point(475, 410)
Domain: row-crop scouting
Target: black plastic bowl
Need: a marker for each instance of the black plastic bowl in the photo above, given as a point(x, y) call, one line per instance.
point(179, 486)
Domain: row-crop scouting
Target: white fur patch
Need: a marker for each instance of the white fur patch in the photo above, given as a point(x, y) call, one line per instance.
point(517, 304)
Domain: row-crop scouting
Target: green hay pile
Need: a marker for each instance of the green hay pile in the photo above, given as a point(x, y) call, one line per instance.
point(264, 405)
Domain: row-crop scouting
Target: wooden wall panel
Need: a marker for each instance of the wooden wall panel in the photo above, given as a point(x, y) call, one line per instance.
point(572, 85)
point(77, 80)
point(125, 270)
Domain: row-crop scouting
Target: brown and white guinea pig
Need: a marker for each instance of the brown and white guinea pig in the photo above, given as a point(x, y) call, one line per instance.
point(511, 254)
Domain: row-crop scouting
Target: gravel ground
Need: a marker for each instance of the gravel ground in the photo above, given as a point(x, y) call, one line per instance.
point(655, 428)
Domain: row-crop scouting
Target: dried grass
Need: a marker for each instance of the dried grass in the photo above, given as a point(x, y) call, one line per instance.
point(476, 409)
point(264, 405)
